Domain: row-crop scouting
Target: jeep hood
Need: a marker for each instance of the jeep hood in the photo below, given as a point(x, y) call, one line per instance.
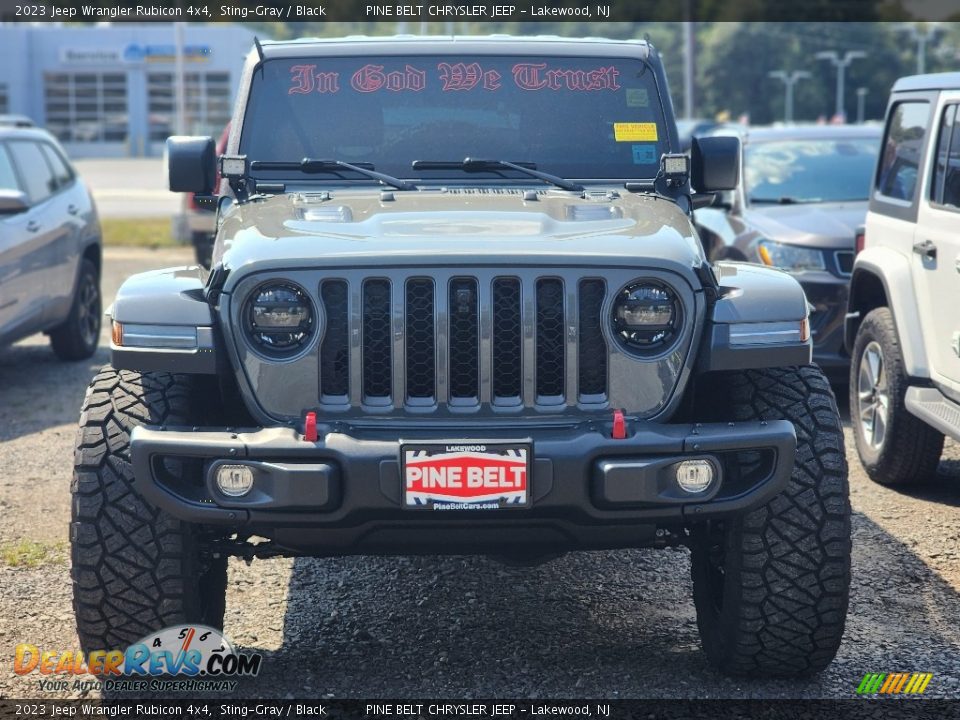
point(462, 227)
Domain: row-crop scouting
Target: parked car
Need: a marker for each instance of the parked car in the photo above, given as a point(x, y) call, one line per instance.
point(15, 121)
point(431, 348)
point(903, 324)
point(802, 196)
point(50, 246)
point(196, 223)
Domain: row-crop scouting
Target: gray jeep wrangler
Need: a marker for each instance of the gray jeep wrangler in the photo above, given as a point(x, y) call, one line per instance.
point(457, 305)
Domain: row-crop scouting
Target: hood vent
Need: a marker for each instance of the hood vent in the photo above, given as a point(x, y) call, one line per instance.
point(580, 213)
point(330, 214)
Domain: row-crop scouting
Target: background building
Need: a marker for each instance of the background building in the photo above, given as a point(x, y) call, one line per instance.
point(109, 90)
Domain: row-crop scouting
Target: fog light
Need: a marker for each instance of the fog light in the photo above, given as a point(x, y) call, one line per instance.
point(694, 476)
point(234, 480)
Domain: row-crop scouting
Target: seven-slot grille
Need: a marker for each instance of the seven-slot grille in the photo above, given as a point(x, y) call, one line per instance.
point(460, 341)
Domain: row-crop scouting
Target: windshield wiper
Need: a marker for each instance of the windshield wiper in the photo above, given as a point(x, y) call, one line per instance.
point(785, 200)
point(313, 165)
point(476, 164)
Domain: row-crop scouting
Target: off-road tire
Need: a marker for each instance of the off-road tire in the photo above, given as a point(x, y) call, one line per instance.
point(136, 569)
point(911, 449)
point(771, 587)
point(77, 337)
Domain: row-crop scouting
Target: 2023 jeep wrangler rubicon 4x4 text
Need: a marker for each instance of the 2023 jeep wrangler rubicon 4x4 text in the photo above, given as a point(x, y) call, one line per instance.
point(457, 305)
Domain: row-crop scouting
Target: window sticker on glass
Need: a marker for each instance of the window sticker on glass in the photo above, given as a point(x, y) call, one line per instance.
point(638, 97)
point(635, 132)
point(645, 154)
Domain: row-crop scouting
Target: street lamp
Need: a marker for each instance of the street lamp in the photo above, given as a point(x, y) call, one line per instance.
point(789, 80)
point(861, 103)
point(841, 63)
point(921, 39)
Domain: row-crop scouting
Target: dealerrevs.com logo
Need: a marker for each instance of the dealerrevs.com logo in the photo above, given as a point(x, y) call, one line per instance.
point(186, 658)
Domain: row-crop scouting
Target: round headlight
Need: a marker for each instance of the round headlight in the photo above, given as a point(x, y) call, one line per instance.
point(279, 318)
point(646, 316)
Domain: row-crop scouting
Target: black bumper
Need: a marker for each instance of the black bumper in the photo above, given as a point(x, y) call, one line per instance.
point(342, 494)
point(829, 300)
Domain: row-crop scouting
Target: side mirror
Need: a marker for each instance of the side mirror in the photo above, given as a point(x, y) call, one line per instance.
point(13, 202)
point(191, 164)
point(715, 163)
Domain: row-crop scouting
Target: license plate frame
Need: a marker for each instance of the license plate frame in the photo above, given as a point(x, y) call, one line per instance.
point(501, 489)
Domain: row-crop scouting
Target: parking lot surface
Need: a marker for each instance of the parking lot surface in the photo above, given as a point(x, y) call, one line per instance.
point(611, 624)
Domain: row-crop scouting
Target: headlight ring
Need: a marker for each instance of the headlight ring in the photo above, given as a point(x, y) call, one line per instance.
point(646, 317)
point(279, 318)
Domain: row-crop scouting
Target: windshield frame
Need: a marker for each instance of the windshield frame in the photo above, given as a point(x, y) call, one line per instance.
point(438, 51)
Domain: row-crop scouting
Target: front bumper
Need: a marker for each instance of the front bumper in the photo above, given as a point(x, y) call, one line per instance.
point(342, 494)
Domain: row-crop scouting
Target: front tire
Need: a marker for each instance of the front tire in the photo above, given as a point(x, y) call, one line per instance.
point(771, 587)
point(78, 336)
point(895, 447)
point(136, 569)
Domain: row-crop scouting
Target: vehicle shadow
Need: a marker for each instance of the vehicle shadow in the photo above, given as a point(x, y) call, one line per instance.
point(38, 391)
point(588, 625)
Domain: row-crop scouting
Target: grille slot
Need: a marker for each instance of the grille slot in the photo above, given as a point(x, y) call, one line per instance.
point(464, 343)
point(550, 347)
point(420, 337)
point(377, 356)
point(591, 347)
point(335, 349)
point(845, 260)
point(507, 367)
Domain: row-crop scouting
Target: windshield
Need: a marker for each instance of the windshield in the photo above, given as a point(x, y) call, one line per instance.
point(810, 170)
point(587, 118)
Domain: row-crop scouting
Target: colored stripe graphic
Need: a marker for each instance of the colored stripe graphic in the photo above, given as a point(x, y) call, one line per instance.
point(894, 683)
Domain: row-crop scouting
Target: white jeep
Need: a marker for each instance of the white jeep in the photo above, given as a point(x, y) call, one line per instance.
point(903, 323)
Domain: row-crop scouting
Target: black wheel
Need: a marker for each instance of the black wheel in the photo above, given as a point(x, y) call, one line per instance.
point(136, 569)
point(895, 447)
point(771, 587)
point(203, 248)
point(77, 337)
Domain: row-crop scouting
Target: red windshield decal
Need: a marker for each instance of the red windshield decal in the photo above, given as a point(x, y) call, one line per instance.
point(461, 76)
point(371, 78)
point(305, 79)
point(535, 76)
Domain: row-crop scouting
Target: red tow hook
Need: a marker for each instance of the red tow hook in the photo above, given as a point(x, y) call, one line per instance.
point(310, 427)
point(619, 431)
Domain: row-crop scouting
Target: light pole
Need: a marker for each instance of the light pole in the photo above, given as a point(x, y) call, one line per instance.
point(921, 39)
point(861, 103)
point(841, 63)
point(789, 80)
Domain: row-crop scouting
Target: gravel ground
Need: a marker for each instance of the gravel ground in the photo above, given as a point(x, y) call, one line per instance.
point(604, 625)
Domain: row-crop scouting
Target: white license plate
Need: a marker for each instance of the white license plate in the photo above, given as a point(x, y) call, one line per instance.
point(465, 476)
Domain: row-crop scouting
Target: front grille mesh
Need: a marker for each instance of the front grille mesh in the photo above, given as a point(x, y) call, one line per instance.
point(550, 345)
point(463, 342)
point(421, 343)
point(335, 350)
point(464, 339)
point(376, 339)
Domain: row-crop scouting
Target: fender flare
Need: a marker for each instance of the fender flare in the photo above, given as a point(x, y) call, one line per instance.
point(892, 269)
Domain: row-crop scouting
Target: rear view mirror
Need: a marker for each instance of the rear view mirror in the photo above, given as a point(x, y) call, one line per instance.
point(191, 164)
point(715, 163)
point(13, 202)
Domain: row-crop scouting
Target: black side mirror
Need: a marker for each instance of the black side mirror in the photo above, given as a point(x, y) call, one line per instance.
point(13, 202)
point(715, 163)
point(191, 164)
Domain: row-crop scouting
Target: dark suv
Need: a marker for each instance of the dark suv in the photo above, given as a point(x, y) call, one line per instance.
point(458, 305)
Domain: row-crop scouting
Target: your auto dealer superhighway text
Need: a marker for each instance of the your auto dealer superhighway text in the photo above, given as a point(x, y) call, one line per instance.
point(485, 709)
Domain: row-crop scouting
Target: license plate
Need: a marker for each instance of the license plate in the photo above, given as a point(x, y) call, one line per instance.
point(465, 476)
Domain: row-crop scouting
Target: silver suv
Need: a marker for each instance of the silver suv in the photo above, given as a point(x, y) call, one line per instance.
point(902, 327)
point(50, 246)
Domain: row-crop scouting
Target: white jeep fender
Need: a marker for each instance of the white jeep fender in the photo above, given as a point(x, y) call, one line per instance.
point(892, 269)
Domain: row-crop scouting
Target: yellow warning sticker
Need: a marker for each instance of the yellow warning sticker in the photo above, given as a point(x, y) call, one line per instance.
point(635, 132)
